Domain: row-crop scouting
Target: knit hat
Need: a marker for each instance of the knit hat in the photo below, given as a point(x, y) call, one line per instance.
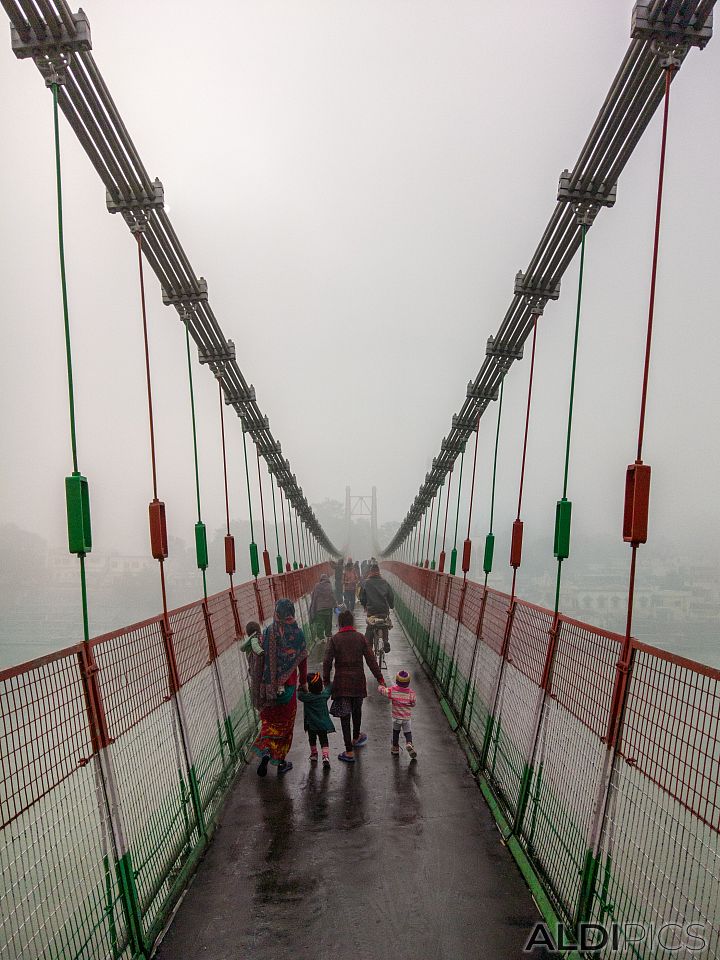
point(402, 678)
point(315, 684)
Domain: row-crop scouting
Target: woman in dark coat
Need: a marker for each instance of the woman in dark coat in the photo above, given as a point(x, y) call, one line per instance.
point(274, 675)
point(349, 651)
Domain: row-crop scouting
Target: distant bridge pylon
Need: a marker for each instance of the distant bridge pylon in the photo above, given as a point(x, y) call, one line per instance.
point(361, 505)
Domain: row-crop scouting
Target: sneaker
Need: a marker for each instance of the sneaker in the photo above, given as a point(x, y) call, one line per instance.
point(262, 767)
point(326, 762)
point(361, 740)
point(411, 750)
point(284, 767)
point(346, 758)
point(395, 751)
point(313, 758)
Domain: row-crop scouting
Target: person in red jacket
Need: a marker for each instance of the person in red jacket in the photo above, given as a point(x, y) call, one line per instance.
point(349, 651)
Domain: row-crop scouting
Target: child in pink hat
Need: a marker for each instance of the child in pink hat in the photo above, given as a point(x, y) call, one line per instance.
point(403, 700)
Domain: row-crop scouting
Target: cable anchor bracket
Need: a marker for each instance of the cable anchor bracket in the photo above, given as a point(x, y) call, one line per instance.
point(586, 197)
point(466, 425)
point(671, 40)
point(217, 357)
point(52, 55)
point(185, 300)
point(135, 210)
point(503, 351)
point(480, 392)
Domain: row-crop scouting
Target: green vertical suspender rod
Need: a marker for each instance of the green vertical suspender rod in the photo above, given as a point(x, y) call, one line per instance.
point(254, 559)
point(201, 547)
point(564, 506)
point(563, 512)
point(201, 553)
point(278, 558)
point(77, 499)
point(77, 495)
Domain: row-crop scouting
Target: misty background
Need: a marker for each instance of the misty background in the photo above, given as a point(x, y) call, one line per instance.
point(359, 184)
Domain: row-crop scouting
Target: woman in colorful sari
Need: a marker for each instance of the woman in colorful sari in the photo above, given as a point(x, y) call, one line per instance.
point(275, 675)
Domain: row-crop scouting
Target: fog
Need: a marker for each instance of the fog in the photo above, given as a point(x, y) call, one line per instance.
point(359, 183)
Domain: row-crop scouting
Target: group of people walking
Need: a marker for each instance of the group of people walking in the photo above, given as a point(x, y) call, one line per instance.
point(350, 575)
point(353, 582)
point(279, 678)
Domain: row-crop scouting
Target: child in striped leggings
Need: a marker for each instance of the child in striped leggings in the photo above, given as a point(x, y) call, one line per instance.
point(403, 700)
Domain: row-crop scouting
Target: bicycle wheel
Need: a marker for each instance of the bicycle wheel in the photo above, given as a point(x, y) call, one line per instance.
point(377, 648)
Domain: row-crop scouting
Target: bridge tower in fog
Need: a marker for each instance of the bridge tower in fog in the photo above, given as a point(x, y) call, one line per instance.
point(361, 505)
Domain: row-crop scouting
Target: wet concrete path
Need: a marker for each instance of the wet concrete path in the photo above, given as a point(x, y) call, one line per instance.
point(383, 859)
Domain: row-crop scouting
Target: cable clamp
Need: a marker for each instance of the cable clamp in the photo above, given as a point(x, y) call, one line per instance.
point(585, 190)
point(504, 351)
point(536, 287)
point(586, 197)
point(466, 425)
point(185, 298)
point(233, 397)
point(256, 429)
point(52, 55)
point(453, 447)
point(138, 205)
point(217, 356)
point(682, 31)
point(670, 55)
point(480, 392)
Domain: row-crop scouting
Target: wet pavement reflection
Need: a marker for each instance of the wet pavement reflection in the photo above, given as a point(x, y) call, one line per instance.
point(384, 858)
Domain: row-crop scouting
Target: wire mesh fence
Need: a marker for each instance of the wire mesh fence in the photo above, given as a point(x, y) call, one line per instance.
point(60, 896)
point(625, 835)
point(115, 758)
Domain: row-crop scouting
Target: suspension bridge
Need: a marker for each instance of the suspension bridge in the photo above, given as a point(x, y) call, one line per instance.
point(575, 770)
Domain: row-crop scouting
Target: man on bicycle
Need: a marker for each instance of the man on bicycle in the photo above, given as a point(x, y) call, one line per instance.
point(376, 596)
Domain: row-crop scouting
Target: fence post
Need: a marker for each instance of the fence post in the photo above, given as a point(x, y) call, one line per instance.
point(220, 689)
point(235, 613)
point(259, 604)
point(177, 701)
point(478, 638)
point(437, 610)
point(109, 803)
point(445, 684)
point(489, 729)
point(598, 820)
point(545, 684)
point(436, 653)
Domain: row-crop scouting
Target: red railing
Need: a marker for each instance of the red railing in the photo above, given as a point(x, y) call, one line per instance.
point(115, 756)
point(624, 832)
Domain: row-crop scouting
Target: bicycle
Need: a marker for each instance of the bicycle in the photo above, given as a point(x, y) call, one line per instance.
point(380, 630)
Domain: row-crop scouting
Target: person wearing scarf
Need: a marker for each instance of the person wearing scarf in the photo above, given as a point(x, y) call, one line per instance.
point(274, 687)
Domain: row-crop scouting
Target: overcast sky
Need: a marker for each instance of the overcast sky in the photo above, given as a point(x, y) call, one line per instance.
point(359, 183)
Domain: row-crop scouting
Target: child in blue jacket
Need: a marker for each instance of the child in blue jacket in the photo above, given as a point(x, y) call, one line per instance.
point(317, 720)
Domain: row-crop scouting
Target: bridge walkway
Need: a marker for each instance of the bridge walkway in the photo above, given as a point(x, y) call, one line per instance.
point(383, 858)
